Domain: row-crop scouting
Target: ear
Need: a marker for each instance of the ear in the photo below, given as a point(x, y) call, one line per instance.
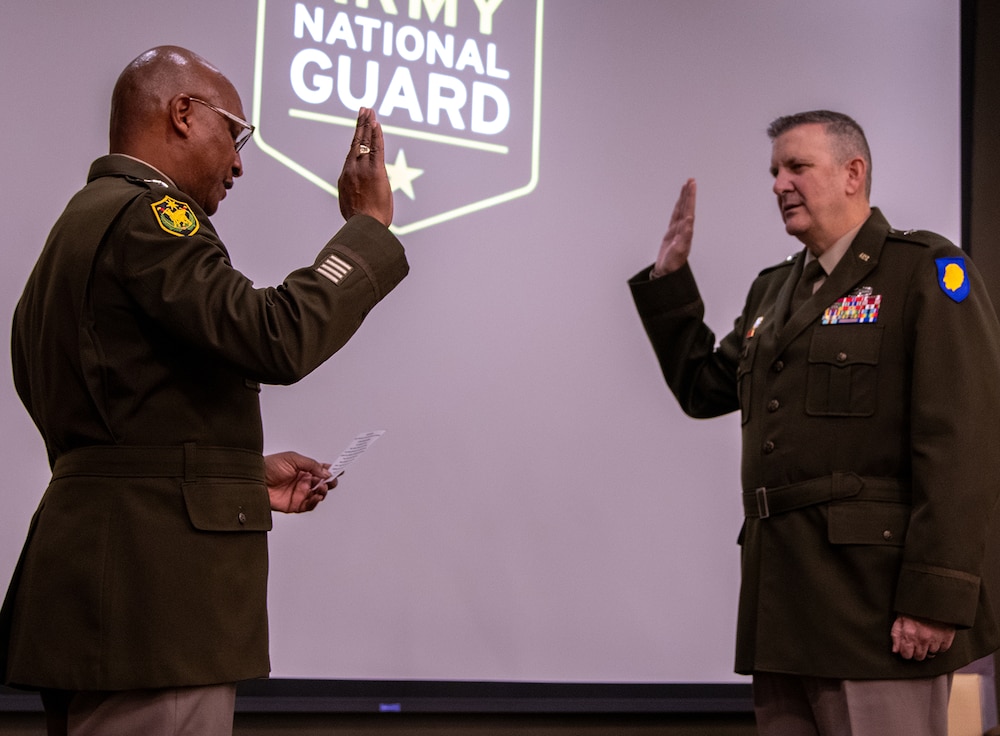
point(179, 108)
point(857, 171)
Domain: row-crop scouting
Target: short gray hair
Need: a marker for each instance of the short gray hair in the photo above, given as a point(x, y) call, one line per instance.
point(847, 138)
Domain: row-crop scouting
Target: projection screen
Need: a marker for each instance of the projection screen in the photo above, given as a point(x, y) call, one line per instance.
point(538, 508)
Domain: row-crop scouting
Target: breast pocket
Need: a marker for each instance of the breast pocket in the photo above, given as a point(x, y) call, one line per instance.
point(843, 363)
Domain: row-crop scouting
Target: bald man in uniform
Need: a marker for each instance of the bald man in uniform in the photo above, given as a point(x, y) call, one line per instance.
point(139, 351)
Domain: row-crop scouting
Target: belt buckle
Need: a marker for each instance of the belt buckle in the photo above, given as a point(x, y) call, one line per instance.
point(762, 511)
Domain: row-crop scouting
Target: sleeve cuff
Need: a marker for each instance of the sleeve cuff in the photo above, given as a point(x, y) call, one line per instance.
point(938, 594)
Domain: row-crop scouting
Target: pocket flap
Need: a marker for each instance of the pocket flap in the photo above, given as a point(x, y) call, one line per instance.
point(844, 345)
point(228, 506)
point(868, 522)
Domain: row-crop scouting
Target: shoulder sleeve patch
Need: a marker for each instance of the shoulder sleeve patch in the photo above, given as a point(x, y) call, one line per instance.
point(175, 217)
point(952, 278)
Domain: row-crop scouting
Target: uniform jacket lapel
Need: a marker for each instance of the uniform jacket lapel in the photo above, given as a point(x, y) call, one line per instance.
point(859, 261)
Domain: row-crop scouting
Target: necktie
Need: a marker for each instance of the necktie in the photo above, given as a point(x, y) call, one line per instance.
point(807, 281)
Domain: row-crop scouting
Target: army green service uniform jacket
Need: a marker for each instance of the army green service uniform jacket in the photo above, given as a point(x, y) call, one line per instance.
point(139, 352)
point(870, 464)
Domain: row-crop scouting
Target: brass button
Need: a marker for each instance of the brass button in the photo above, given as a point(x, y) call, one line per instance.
point(887, 535)
point(768, 447)
point(841, 357)
point(242, 518)
point(773, 405)
point(779, 366)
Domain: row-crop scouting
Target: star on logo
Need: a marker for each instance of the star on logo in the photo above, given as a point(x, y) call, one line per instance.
point(401, 175)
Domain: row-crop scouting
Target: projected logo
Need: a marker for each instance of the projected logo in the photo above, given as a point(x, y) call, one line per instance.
point(456, 85)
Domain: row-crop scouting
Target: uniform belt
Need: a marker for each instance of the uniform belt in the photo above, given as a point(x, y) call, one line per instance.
point(188, 461)
point(764, 502)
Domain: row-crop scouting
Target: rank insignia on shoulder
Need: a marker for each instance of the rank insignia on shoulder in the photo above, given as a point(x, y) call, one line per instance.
point(952, 278)
point(753, 330)
point(175, 217)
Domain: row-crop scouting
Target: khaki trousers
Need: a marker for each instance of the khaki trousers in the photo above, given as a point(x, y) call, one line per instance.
point(792, 705)
point(186, 711)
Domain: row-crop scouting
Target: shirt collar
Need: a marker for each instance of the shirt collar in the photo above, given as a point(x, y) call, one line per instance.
point(832, 255)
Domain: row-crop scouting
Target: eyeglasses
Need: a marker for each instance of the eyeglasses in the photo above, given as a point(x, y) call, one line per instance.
point(246, 132)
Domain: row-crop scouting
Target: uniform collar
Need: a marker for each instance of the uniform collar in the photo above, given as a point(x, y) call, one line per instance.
point(832, 255)
point(859, 259)
point(163, 176)
point(120, 164)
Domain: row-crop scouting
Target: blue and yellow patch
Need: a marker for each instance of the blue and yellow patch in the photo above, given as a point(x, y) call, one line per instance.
point(952, 278)
point(175, 217)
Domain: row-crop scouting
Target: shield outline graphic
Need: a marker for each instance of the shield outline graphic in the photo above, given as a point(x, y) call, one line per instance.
point(389, 130)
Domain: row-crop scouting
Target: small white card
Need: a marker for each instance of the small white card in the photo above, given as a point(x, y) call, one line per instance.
point(353, 451)
point(356, 449)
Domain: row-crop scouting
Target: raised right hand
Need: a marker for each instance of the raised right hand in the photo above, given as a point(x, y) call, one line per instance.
point(363, 185)
point(676, 245)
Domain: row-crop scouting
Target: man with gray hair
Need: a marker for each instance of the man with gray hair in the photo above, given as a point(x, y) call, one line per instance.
point(864, 370)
